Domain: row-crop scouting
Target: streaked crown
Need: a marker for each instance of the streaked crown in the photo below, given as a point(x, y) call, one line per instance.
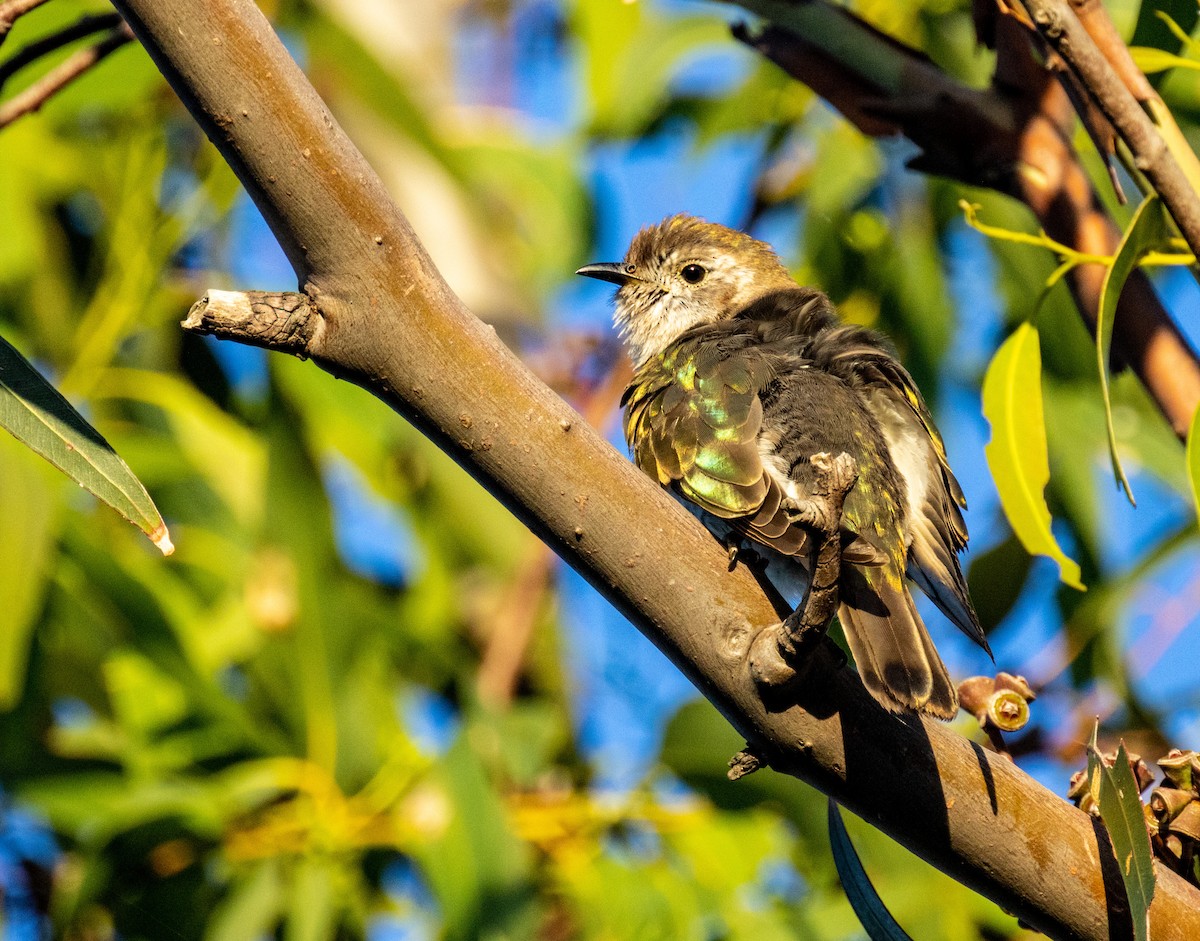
point(683, 272)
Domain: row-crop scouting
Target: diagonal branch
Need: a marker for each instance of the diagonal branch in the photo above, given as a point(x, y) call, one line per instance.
point(84, 26)
point(1100, 27)
point(1063, 30)
point(54, 81)
point(376, 312)
point(13, 10)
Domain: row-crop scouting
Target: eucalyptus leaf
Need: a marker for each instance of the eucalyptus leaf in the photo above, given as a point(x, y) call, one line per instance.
point(37, 415)
point(1146, 230)
point(1193, 459)
point(876, 920)
point(1158, 60)
point(29, 529)
point(1116, 791)
point(1016, 454)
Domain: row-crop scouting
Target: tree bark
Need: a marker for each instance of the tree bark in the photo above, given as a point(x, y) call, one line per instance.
point(379, 314)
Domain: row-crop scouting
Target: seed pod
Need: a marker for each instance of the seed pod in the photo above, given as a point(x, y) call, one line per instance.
point(1186, 823)
point(1179, 767)
point(1167, 803)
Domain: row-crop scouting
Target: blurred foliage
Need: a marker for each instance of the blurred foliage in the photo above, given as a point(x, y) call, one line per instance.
point(265, 736)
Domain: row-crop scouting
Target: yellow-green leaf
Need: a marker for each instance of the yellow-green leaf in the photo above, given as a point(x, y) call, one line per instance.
point(29, 525)
point(1146, 230)
point(1151, 60)
point(37, 415)
point(1016, 454)
point(1193, 459)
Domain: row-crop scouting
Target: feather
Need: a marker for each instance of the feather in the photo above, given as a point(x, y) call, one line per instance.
point(730, 403)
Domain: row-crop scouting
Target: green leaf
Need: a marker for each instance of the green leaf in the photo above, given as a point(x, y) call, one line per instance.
point(1193, 459)
point(1124, 818)
point(36, 414)
point(1146, 230)
point(29, 529)
point(314, 909)
point(1016, 454)
point(1158, 60)
point(251, 908)
point(876, 920)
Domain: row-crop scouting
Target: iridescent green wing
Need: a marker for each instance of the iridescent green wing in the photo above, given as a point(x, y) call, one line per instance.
point(692, 419)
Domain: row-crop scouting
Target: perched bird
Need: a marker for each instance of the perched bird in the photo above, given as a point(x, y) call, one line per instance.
point(741, 376)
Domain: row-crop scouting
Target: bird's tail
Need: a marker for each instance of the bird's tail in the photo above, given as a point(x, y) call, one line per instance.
point(895, 656)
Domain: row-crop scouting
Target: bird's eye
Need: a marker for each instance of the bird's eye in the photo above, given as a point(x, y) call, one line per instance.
point(693, 274)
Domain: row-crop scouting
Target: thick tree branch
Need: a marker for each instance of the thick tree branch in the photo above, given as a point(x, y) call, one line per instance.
point(1013, 137)
point(379, 314)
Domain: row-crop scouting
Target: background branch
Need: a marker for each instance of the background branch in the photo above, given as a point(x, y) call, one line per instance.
point(381, 316)
point(12, 11)
point(1013, 137)
point(54, 81)
point(1151, 155)
point(84, 26)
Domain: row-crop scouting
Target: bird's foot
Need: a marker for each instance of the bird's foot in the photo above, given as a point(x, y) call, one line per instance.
point(835, 477)
point(779, 650)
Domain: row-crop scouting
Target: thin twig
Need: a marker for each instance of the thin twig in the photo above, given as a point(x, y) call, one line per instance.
point(85, 26)
point(1014, 137)
point(54, 81)
point(1063, 30)
point(1099, 25)
point(12, 11)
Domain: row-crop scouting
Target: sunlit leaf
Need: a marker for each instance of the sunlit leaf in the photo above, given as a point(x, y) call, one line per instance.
point(36, 414)
point(1146, 229)
point(251, 908)
point(876, 920)
point(1016, 454)
point(28, 528)
point(1193, 458)
point(1159, 60)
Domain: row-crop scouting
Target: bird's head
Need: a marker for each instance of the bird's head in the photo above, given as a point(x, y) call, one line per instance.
point(684, 272)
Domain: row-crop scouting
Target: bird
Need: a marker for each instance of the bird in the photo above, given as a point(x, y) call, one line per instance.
point(741, 376)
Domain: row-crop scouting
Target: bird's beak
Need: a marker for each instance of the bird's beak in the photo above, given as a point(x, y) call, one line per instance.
point(608, 271)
